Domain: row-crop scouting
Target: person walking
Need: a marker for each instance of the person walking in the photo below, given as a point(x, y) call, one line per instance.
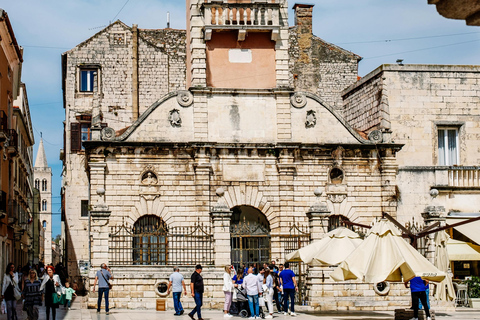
point(32, 294)
point(268, 291)
point(289, 287)
point(276, 290)
point(253, 287)
point(103, 277)
point(417, 289)
point(196, 289)
point(51, 284)
point(227, 290)
point(10, 282)
point(176, 283)
point(69, 293)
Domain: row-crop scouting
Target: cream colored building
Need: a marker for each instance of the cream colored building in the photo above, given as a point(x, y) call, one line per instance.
point(233, 142)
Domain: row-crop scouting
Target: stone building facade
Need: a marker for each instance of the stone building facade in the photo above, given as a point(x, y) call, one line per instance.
point(232, 149)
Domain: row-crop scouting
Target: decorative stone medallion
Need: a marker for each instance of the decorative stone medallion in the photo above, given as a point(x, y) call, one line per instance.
point(375, 136)
point(311, 119)
point(298, 100)
point(108, 134)
point(174, 118)
point(185, 98)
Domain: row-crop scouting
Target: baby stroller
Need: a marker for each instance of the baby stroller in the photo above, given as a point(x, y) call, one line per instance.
point(241, 307)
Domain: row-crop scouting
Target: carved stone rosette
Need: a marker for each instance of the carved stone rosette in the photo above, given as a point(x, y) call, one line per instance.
point(375, 136)
point(108, 134)
point(185, 98)
point(298, 100)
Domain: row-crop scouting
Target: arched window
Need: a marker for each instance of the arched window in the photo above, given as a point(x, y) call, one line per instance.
point(44, 185)
point(150, 241)
point(44, 205)
point(44, 224)
point(37, 184)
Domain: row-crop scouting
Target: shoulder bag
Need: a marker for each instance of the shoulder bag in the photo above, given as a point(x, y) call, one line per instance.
point(109, 285)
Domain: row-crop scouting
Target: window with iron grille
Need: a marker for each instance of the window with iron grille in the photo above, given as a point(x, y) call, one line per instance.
point(150, 241)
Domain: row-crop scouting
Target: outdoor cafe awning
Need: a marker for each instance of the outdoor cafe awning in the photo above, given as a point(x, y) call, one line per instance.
point(470, 230)
point(462, 251)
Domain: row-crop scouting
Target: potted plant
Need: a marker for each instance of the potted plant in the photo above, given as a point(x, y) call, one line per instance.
point(474, 291)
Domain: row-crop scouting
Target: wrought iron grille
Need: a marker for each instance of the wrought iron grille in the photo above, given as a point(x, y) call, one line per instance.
point(150, 242)
point(250, 243)
point(299, 237)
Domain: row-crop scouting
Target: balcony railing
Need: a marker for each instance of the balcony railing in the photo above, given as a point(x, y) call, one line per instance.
point(464, 177)
point(3, 126)
point(258, 15)
point(12, 141)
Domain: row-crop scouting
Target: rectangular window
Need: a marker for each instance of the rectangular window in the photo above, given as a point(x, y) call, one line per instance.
point(448, 153)
point(84, 212)
point(86, 133)
point(87, 77)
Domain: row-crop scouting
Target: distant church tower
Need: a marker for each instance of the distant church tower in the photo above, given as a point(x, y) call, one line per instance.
point(42, 174)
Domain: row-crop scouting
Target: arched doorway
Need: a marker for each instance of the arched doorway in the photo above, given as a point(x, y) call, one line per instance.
point(249, 236)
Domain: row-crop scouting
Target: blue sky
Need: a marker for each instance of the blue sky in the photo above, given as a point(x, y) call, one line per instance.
point(380, 31)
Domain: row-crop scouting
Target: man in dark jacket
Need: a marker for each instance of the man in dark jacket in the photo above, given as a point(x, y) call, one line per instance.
point(197, 288)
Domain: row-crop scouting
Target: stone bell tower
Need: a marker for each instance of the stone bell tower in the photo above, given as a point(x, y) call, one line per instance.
point(237, 44)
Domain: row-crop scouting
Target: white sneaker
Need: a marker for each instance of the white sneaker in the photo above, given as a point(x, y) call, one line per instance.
point(293, 314)
point(229, 315)
point(285, 314)
point(428, 318)
point(251, 318)
point(414, 319)
point(269, 316)
point(225, 315)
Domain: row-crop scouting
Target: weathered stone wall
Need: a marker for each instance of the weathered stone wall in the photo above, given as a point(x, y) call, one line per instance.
point(320, 67)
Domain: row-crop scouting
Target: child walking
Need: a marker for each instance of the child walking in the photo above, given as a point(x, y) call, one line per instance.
point(69, 292)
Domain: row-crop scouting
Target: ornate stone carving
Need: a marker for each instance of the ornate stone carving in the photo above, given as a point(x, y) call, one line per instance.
point(149, 178)
point(311, 119)
point(336, 198)
point(174, 118)
point(108, 134)
point(298, 100)
point(337, 156)
point(185, 98)
point(375, 136)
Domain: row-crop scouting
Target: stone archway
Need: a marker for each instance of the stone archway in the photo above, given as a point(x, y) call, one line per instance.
point(249, 236)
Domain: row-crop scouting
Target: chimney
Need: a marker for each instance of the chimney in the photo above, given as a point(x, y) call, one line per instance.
point(303, 17)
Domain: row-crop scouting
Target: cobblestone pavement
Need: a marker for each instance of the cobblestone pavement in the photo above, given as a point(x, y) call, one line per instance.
point(79, 313)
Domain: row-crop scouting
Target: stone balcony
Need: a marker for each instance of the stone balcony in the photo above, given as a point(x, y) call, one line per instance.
point(457, 177)
point(258, 15)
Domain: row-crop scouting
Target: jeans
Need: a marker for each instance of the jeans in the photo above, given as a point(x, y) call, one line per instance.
point(176, 302)
point(198, 305)
point(277, 295)
point(68, 303)
point(253, 303)
point(101, 291)
point(288, 293)
point(228, 300)
point(423, 298)
point(11, 309)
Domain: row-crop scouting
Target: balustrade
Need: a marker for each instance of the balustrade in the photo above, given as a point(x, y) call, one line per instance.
point(464, 177)
point(259, 14)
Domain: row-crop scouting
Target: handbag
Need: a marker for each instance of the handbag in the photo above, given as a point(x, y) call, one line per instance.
point(234, 296)
point(16, 293)
point(108, 282)
point(3, 307)
point(261, 302)
point(58, 298)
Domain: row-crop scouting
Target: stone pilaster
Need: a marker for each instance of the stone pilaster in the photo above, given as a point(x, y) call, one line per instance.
point(221, 217)
point(432, 214)
point(203, 169)
point(318, 218)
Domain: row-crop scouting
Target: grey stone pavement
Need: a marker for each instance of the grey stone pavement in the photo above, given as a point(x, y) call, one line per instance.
point(79, 313)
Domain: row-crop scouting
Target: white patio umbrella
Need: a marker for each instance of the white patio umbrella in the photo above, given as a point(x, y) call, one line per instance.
point(335, 246)
point(385, 256)
point(445, 290)
point(462, 251)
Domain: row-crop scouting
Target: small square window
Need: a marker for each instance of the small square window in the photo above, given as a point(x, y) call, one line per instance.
point(84, 204)
point(87, 78)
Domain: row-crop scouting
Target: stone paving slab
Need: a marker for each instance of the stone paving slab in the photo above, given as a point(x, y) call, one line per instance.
point(79, 312)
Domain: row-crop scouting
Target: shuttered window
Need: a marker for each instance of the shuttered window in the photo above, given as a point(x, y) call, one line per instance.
point(75, 142)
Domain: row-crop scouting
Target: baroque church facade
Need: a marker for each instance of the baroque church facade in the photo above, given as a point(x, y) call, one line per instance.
point(227, 143)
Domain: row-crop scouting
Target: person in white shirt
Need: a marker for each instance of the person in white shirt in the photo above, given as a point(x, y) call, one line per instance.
point(254, 288)
point(227, 290)
point(268, 290)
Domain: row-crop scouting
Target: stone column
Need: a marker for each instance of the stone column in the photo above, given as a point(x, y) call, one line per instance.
point(432, 214)
point(221, 217)
point(318, 217)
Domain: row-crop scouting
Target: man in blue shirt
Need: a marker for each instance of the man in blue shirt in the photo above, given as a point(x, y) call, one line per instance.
point(176, 283)
point(103, 276)
point(287, 280)
point(418, 288)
